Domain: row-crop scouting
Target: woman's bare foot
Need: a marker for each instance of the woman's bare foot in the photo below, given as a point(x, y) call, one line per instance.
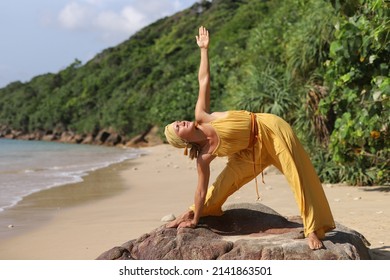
point(314, 242)
point(184, 217)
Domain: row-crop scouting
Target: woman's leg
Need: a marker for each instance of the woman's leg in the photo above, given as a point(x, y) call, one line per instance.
point(307, 188)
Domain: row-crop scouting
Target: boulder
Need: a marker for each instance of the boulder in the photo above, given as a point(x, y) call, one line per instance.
point(67, 137)
point(88, 139)
point(78, 138)
point(244, 232)
point(150, 137)
point(101, 137)
point(49, 137)
point(113, 139)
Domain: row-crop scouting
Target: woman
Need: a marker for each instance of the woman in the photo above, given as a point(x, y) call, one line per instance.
point(252, 142)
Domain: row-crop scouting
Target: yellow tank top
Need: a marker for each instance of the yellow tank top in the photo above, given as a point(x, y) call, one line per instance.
point(233, 132)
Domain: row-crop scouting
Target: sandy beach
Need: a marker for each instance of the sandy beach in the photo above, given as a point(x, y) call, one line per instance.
point(122, 202)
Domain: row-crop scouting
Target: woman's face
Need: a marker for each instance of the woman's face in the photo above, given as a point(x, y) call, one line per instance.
point(184, 129)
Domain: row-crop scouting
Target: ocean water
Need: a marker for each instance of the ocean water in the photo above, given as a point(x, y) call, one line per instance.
point(31, 166)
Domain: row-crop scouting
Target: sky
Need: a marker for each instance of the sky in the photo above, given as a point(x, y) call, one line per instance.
point(46, 36)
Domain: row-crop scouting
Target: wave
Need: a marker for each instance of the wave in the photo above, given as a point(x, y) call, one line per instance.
point(45, 172)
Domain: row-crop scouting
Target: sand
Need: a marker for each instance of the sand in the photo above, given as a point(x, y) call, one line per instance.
point(122, 202)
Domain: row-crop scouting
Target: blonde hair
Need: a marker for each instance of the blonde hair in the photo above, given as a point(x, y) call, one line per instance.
point(178, 142)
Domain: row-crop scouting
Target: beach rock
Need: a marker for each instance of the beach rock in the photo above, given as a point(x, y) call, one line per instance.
point(78, 138)
point(102, 137)
point(150, 137)
point(113, 139)
point(168, 218)
point(245, 232)
point(66, 137)
point(108, 136)
point(50, 137)
point(88, 139)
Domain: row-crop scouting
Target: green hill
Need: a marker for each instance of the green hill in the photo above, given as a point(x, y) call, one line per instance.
point(321, 65)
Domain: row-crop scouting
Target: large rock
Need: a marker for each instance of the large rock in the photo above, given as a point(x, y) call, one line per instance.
point(246, 232)
point(113, 140)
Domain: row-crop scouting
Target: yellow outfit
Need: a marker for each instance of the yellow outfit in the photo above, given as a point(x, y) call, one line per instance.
point(276, 145)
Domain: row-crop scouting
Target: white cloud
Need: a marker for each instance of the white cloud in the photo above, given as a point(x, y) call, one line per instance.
point(115, 26)
point(158, 8)
point(117, 22)
point(127, 20)
point(94, 2)
point(74, 16)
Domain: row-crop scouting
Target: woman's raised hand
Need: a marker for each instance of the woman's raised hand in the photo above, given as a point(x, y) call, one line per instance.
point(203, 38)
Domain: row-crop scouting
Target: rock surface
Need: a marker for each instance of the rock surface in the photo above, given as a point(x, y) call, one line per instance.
point(244, 232)
point(108, 137)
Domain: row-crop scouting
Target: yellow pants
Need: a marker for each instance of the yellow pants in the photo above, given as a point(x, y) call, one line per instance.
point(277, 146)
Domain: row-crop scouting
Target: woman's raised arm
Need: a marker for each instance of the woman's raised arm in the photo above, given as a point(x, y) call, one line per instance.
point(202, 108)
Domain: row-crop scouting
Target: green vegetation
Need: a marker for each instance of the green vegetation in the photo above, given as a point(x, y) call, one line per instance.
point(321, 65)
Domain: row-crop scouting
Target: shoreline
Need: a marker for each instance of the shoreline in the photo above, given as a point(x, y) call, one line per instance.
point(39, 208)
point(159, 183)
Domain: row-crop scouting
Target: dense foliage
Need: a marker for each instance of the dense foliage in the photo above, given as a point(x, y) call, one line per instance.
point(321, 65)
point(357, 75)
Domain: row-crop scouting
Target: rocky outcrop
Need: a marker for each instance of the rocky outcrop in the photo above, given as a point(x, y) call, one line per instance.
point(244, 232)
point(103, 137)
